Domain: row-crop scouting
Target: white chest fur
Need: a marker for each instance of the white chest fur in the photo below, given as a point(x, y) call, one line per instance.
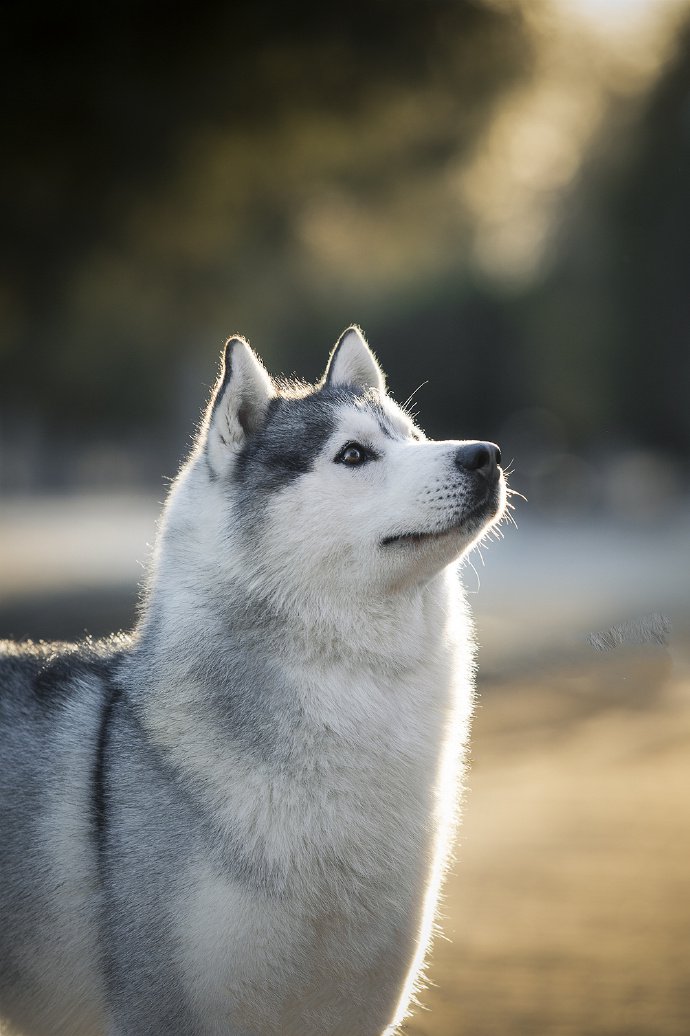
point(353, 831)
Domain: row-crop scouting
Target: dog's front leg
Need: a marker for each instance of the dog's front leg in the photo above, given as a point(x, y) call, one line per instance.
point(161, 1016)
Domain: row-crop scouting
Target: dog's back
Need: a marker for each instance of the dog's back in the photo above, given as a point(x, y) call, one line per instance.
point(51, 698)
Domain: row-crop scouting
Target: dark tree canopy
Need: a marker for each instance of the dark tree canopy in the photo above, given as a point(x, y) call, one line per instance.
point(171, 176)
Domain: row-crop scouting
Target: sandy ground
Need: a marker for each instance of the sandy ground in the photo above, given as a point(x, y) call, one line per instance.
point(568, 909)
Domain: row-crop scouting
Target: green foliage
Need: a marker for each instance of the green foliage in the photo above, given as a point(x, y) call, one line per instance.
point(282, 170)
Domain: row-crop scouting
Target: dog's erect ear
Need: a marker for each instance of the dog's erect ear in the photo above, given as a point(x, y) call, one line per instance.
point(353, 363)
point(239, 402)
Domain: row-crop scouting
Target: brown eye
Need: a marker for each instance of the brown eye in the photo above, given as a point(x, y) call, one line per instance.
point(353, 454)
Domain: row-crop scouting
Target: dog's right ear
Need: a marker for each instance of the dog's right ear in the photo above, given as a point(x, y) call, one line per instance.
point(353, 363)
point(239, 402)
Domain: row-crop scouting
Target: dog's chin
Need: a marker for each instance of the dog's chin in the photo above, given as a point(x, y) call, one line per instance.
point(462, 530)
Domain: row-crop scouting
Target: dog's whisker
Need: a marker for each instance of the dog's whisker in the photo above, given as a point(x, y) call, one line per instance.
point(413, 394)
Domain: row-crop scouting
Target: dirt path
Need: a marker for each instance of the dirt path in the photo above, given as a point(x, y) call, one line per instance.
point(569, 907)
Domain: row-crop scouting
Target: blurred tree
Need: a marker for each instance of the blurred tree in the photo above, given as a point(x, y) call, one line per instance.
point(282, 171)
point(606, 333)
point(653, 219)
point(161, 172)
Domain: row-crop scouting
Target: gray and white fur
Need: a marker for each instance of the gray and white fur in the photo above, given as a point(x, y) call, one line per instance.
point(235, 821)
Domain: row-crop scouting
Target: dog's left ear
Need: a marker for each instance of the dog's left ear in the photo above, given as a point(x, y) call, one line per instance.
point(238, 406)
point(353, 363)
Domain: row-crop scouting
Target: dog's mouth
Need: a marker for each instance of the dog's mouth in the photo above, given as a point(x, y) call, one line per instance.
point(465, 522)
point(418, 537)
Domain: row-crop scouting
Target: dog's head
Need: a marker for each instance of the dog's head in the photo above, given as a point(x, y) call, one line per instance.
point(333, 486)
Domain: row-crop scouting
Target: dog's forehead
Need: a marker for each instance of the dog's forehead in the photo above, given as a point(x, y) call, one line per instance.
point(372, 418)
point(315, 417)
point(291, 437)
point(298, 429)
point(311, 417)
point(294, 433)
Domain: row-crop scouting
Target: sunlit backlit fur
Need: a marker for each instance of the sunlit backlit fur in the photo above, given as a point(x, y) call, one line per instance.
point(263, 796)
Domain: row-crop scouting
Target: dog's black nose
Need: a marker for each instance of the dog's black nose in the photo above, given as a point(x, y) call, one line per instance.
point(482, 457)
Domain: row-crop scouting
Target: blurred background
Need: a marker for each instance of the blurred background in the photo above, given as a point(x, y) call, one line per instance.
point(498, 192)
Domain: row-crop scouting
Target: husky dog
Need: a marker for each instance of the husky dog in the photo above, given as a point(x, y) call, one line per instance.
point(234, 822)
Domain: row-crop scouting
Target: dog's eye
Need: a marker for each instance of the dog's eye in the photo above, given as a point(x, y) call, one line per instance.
point(353, 455)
